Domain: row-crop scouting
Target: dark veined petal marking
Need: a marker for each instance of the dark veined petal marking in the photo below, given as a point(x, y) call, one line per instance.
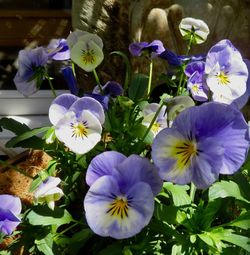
point(183, 152)
point(79, 129)
point(119, 208)
point(88, 56)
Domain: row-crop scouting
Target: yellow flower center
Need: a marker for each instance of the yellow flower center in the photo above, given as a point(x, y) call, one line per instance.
point(155, 128)
point(195, 88)
point(79, 130)
point(88, 56)
point(119, 208)
point(223, 78)
point(183, 152)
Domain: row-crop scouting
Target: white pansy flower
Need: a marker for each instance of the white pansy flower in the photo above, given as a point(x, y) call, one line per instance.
point(196, 28)
point(48, 192)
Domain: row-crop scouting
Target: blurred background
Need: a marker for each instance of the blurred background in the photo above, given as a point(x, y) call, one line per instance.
point(27, 24)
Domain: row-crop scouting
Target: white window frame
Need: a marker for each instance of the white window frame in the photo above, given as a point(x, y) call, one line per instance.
point(32, 111)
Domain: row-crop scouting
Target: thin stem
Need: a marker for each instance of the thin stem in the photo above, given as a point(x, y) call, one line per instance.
point(98, 81)
point(192, 192)
point(181, 84)
point(67, 229)
point(152, 121)
point(50, 84)
point(150, 77)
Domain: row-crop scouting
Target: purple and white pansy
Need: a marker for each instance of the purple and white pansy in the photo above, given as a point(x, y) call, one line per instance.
point(78, 121)
point(197, 149)
point(120, 201)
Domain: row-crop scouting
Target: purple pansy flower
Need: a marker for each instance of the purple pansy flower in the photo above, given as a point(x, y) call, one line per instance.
point(242, 100)
point(30, 72)
point(196, 84)
point(9, 210)
point(226, 72)
point(202, 143)
point(120, 201)
point(155, 48)
point(111, 89)
point(77, 121)
point(171, 57)
point(70, 79)
point(58, 49)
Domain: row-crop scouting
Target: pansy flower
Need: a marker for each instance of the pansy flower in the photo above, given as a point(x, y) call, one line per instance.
point(154, 49)
point(77, 121)
point(202, 143)
point(30, 74)
point(111, 89)
point(194, 29)
point(241, 101)
point(175, 105)
point(9, 211)
point(226, 72)
point(120, 201)
point(148, 113)
point(70, 79)
point(58, 49)
point(87, 52)
point(196, 84)
point(48, 192)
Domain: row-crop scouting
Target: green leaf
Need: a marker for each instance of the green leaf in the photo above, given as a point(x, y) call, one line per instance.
point(113, 249)
point(241, 241)
point(14, 126)
point(217, 235)
point(225, 189)
point(78, 240)
point(170, 214)
point(138, 86)
point(24, 136)
point(208, 214)
point(35, 183)
point(45, 245)
point(243, 221)
point(178, 193)
point(139, 131)
point(42, 215)
point(213, 240)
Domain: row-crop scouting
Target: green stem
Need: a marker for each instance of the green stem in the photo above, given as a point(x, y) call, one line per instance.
point(152, 122)
point(65, 230)
point(50, 84)
point(98, 81)
point(150, 77)
point(192, 192)
point(181, 84)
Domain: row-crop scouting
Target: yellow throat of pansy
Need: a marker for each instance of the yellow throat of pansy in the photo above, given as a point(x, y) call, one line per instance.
point(119, 208)
point(183, 152)
point(79, 129)
point(223, 78)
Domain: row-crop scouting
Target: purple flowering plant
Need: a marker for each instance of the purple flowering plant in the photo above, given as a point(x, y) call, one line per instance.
point(132, 173)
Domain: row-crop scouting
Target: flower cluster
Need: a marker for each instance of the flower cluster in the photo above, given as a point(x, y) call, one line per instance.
point(126, 165)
